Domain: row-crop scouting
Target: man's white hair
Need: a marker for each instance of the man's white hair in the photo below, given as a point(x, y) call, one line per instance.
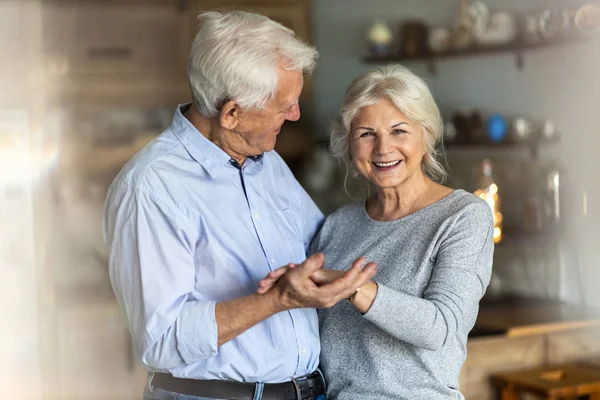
point(236, 56)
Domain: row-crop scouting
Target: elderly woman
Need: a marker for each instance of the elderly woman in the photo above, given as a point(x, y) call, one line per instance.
point(402, 335)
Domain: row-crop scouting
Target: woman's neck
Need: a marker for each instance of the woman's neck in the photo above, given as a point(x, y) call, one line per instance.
point(394, 203)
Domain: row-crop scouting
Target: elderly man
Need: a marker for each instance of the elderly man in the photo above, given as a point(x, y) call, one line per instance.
point(206, 210)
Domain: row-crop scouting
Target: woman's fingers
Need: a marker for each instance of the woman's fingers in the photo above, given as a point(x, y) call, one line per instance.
point(355, 277)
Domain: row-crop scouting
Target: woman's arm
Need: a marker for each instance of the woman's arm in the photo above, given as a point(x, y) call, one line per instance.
point(450, 301)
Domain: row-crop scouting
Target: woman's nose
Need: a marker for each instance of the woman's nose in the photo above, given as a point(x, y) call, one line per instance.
point(383, 145)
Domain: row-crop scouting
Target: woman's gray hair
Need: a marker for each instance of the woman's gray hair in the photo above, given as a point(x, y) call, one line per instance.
point(412, 97)
point(236, 55)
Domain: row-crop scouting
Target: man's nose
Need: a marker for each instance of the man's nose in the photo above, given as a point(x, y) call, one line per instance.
point(294, 113)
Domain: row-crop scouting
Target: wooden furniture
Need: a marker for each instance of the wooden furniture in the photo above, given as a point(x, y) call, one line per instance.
point(523, 336)
point(526, 319)
point(117, 37)
point(552, 383)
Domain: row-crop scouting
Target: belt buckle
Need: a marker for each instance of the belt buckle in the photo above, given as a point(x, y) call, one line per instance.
point(303, 389)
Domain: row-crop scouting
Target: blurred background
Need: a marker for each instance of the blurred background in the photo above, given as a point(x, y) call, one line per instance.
point(84, 84)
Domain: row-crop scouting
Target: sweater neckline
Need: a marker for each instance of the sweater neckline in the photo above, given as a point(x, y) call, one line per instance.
point(363, 209)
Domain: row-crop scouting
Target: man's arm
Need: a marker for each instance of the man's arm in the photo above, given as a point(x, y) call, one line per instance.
point(294, 290)
point(152, 273)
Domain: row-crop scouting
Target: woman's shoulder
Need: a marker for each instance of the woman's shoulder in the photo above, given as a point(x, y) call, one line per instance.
point(468, 207)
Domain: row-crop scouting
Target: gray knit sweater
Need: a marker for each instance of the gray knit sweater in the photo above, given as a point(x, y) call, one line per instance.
point(433, 267)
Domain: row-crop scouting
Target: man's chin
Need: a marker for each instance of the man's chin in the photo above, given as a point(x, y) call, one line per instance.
point(268, 147)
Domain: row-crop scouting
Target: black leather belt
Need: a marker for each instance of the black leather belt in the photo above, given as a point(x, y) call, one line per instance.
point(305, 388)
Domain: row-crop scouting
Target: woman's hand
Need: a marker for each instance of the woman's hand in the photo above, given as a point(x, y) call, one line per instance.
point(323, 276)
point(293, 287)
point(319, 277)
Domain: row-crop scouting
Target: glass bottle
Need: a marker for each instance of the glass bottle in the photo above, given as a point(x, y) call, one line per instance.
point(487, 190)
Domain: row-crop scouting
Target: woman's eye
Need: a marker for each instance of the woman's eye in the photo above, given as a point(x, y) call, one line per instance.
point(367, 133)
point(398, 131)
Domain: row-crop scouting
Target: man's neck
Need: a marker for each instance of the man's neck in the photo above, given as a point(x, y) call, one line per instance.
point(211, 129)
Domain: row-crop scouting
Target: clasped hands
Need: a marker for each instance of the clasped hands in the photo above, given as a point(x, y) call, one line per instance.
point(309, 285)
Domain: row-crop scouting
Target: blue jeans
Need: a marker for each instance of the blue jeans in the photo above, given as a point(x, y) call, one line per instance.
point(160, 394)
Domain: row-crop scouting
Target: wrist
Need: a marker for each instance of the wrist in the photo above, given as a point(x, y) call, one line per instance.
point(353, 296)
point(276, 300)
point(364, 298)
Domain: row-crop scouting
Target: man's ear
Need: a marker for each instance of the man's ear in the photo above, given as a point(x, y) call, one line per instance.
point(229, 115)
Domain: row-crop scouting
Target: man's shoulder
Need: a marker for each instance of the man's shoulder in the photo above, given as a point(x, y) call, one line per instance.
point(153, 163)
point(277, 164)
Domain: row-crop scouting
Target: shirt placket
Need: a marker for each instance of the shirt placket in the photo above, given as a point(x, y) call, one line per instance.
point(274, 263)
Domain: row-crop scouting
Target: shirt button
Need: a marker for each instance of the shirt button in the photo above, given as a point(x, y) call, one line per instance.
point(272, 261)
point(255, 215)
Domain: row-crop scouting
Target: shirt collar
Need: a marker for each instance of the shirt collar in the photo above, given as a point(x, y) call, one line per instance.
point(212, 158)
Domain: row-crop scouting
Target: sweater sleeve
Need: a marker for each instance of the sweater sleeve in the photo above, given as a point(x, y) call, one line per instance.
point(450, 302)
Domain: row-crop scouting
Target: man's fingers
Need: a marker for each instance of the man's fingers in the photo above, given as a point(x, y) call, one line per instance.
point(309, 266)
point(364, 277)
point(267, 282)
point(279, 272)
point(322, 276)
point(355, 269)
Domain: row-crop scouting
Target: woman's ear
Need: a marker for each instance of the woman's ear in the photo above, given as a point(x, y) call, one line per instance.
point(229, 116)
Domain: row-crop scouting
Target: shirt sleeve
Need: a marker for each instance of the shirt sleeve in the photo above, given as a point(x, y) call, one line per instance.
point(151, 264)
point(450, 303)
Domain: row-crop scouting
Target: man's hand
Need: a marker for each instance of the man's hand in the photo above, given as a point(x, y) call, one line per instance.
point(320, 277)
point(307, 285)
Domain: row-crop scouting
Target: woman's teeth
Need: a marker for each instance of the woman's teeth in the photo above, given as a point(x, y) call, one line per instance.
point(386, 164)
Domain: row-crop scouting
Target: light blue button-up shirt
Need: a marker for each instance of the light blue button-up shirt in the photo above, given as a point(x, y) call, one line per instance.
point(186, 229)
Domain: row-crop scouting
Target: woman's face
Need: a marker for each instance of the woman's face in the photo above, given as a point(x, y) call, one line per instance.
point(386, 146)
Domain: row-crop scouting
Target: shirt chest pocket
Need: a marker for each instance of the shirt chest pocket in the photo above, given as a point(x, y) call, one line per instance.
point(290, 230)
point(285, 217)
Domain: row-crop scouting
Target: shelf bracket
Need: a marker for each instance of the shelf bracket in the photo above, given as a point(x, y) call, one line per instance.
point(519, 59)
point(431, 66)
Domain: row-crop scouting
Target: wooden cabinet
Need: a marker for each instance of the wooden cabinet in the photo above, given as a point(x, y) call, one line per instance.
point(128, 37)
point(574, 345)
point(487, 356)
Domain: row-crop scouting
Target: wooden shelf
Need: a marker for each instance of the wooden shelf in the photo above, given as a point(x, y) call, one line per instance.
point(515, 150)
point(518, 48)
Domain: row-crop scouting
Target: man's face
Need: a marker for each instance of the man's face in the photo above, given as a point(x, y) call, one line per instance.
point(258, 129)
